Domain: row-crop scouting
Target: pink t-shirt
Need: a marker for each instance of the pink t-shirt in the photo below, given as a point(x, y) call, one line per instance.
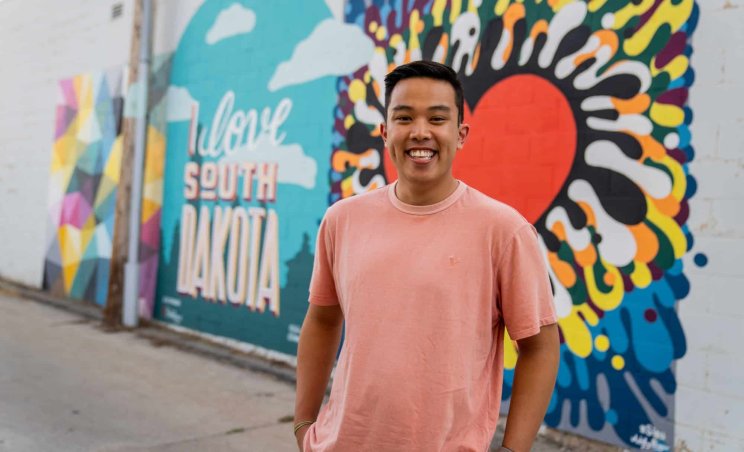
point(426, 292)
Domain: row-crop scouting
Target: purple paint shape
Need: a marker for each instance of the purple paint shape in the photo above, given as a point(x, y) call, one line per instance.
point(150, 231)
point(683, 214)
point(148, 280)
point(674, 47)
point(68, 92)
point(677, 96)
point(647, 15)
point(62, 121)
point(73, 208)
point(88, 190)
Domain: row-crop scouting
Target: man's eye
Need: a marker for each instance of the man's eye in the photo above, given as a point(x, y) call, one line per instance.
point(403, 118)
point(437, 119)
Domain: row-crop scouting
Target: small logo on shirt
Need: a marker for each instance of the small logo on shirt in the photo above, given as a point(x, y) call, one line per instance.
point(453, 260)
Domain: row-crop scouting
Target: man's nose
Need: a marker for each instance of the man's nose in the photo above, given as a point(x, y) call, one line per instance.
point(420, 130)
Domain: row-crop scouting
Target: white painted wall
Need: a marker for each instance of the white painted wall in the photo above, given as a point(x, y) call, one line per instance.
point(710, 396)
point(41, 42)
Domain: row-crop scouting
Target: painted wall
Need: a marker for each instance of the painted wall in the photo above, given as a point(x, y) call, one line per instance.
point(709, 398)
point(43, 43)
point(635, 192)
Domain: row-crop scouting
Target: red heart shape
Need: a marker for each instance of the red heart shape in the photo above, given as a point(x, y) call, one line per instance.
point(521, 146)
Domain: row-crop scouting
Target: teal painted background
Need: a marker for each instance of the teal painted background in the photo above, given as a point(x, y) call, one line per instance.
point(244, 64)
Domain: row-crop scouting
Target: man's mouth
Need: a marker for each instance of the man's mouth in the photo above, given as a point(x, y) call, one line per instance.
point(421, 155)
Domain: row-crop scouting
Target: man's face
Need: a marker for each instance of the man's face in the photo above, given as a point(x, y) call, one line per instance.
point(421, 131)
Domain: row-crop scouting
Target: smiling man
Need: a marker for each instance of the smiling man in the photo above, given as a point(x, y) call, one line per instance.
point(426, 273)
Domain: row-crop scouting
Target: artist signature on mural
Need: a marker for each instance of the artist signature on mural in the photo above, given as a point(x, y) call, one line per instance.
point(650, 438)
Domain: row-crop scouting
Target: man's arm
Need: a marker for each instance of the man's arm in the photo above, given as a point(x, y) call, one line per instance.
point(316, 354)
point(534, 379)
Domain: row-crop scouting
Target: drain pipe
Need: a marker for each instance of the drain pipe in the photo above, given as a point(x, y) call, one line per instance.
point(130, 311)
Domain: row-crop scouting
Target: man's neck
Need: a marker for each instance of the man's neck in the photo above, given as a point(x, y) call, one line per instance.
point(425, 195)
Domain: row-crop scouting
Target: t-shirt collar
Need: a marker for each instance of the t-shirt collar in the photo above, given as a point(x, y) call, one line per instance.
point(428, 209)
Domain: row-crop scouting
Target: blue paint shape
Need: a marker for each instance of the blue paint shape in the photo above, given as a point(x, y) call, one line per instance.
point(691, 187)
point(611, 417)
point(701, 260)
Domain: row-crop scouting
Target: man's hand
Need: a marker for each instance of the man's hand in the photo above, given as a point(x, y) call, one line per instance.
point(300, 436)
point(534, 379)
point(316, 354)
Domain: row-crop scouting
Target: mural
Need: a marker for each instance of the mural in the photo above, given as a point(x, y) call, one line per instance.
point(247, 151)
point(579, 120)
point(85, 167)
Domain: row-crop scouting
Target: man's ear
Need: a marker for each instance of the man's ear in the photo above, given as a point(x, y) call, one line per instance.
point(463, 132)
point(383, 132)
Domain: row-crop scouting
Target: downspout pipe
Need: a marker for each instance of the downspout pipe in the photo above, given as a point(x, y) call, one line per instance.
point(130, 311)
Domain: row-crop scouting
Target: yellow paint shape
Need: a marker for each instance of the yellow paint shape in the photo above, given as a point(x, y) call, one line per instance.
point(357, 90)
point(679, 179)
point(667, 115)
point(347, 189)
point(437, 12)
point(416, 26)
point(348, 122)
point(594, 5)
point(606, 301)
point(641, 275)
point(149, 208)
point(577, 335)
point(670, 228)
point(455, 10)
point(668, 13)
point(68, 275)
point(602, 343)
point(372, 26)
point(113, 164)
point(675, 68)
point(155, 157)
point(510, 352)
point(618, 362)
point(500, 7)
point(381, 33)
point(589, 315)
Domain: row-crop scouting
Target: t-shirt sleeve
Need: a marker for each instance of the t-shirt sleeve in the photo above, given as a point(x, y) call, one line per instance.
point(322, 283)
point(524, 296)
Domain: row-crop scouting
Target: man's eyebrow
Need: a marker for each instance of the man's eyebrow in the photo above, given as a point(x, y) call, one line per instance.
point(432, 108)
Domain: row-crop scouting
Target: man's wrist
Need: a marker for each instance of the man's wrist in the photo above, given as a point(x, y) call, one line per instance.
point(302, 424)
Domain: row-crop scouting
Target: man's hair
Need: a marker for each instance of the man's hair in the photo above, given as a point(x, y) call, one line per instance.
point(426, 69)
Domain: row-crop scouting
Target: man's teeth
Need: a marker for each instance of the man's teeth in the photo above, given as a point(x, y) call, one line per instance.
point(419, 153)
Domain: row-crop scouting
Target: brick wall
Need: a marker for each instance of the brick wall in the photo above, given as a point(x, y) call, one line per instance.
point(710, 397)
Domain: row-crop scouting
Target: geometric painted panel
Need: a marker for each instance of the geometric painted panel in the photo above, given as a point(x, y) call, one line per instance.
point(84, 175)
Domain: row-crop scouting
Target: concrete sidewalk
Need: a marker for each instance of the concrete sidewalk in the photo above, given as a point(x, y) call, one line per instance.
point(67, 385)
